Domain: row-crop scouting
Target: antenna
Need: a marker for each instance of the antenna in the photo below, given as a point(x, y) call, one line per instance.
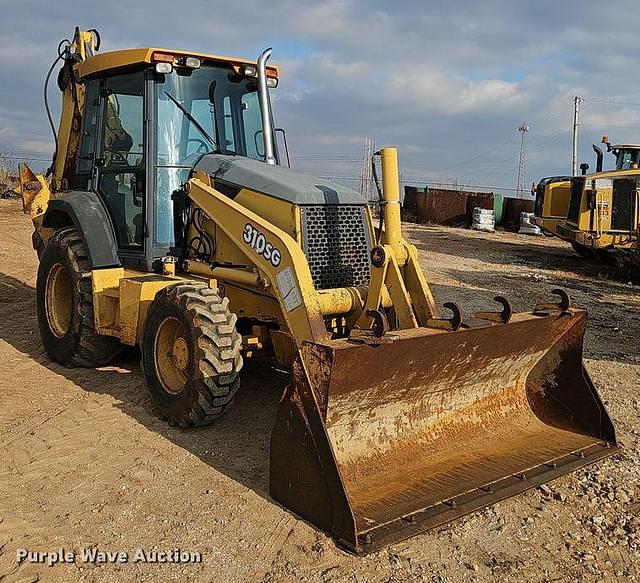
point(522, 162)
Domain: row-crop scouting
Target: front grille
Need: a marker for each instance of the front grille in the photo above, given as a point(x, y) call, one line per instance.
point(337, 244)
point(577, 183)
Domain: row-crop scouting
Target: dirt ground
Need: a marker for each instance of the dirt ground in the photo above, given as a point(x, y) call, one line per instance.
point(84, 462)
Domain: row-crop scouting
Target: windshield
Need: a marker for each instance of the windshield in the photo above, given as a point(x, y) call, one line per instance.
point(210, 101)
point(210, 109)
point(627, 158)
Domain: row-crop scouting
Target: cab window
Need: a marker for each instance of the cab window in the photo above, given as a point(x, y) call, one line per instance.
point(121, 173)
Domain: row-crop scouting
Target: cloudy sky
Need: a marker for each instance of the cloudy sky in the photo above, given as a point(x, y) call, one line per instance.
point(447, 82)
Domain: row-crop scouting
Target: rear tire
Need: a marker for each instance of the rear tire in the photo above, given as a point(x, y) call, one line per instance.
point(64, 304)
point(191, 354)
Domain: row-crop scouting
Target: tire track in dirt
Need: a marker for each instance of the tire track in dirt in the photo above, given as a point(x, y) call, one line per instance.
point(84, 462)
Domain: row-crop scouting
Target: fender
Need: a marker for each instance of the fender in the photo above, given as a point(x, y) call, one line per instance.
point(86, 211)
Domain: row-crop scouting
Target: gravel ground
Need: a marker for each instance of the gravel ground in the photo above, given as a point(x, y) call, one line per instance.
point(84, 463)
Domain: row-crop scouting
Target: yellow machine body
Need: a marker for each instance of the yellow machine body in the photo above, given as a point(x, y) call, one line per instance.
point(598, 212)
point(552, 203)
point(605, 211)
point(396, 418)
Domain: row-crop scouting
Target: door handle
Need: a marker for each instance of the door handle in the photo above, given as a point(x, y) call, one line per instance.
point(137, 187)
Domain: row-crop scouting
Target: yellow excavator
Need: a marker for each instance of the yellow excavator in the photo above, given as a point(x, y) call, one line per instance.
point(169, 222)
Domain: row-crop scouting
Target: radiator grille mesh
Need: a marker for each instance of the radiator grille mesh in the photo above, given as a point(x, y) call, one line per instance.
point(337, 245)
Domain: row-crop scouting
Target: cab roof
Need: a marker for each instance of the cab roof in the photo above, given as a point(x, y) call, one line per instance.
point(127, 57)
point(626, 147)
point(613, 174)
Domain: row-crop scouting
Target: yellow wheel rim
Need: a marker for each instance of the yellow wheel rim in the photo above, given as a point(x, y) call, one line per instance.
point(58, 300)
point(172, 355)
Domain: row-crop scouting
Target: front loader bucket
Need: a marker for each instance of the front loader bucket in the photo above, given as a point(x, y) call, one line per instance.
point(376, 443)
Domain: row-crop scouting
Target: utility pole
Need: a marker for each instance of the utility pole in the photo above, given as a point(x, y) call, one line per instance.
point(576, 122)
point(522, 162)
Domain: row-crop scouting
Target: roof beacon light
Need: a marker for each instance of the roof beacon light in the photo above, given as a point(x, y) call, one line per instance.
point(162, 58)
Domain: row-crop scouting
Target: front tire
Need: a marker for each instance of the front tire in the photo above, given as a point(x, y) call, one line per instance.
point(191, 354)
point(582, 250)
point(64, 304)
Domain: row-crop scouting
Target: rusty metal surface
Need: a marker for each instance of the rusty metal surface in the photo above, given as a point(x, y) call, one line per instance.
point(512, 209)
point(373, 442)
point(443, 207)
point(410, 200)
point(29, 187)
point(448, 510)
point(483, 200)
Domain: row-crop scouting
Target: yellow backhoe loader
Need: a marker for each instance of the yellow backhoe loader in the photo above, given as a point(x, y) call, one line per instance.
point(167, 222)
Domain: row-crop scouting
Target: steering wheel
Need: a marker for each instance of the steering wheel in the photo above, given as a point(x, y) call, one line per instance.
point(202, 147)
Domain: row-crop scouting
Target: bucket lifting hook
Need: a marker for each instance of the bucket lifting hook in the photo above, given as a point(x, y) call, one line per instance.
point(452, 323)
point(563, 306)
point(380, 322)
point(504, 316)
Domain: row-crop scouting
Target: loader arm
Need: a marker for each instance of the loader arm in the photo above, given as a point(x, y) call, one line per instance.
point(280, 258)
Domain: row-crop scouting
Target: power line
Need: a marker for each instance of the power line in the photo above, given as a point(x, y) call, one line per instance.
point(429, 181)
point(325, 158)
point(486, 153)
point(24, 159)
point(600, 125)
point(615, 101)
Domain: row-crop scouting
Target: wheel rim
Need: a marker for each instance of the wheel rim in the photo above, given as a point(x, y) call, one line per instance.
point(172, 355)
point(58, 300)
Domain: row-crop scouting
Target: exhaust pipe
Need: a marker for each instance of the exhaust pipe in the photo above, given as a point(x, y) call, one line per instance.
point(599, 156)
point(265, 107)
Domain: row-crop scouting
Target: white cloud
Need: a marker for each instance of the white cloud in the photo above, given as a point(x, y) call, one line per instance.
point(442, 80)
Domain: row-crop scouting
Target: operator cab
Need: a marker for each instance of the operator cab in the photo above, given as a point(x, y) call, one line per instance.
point(144, 126)
point(627, 155)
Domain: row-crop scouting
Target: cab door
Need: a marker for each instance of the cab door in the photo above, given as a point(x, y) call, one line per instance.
point(623, 203)
point(120, 176)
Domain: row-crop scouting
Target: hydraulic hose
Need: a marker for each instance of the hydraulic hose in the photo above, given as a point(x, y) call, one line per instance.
point(63, 50)
point(381, 203)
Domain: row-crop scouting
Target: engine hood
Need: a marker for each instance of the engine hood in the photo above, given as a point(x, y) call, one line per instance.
point(276, 181)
